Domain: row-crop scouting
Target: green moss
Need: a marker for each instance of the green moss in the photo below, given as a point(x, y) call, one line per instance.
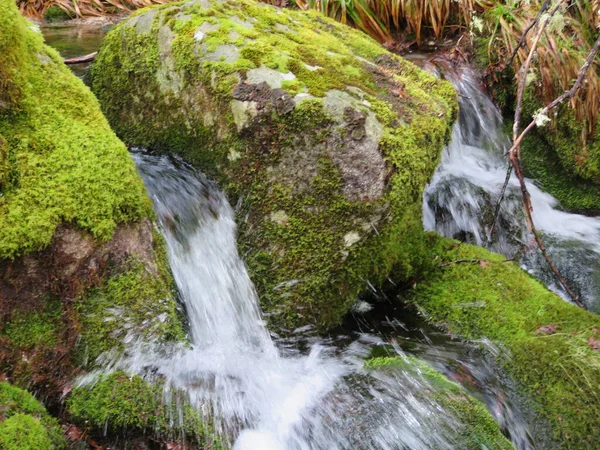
point(25, 424)
point(498, 300)
point(56, 14)
point(119, 403)
point(475, 429)
point(133, 304)
point(31, 329)
point(306, 266)
point(543, 165)
point(66, 163)
point(23, 432)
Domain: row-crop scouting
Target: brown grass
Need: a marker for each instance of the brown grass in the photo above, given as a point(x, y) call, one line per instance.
point(83, 8)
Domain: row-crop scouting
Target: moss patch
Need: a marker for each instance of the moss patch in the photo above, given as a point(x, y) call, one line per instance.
point(477, 429)
point(215, 82)
point(26, 330)
point(64, 162)
point(498, 300)
point(132, 305)
point(25, 424)
point(131, 405)
point(542, 164)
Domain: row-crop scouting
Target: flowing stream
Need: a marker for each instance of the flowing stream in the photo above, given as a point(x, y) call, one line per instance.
point(462, 196)
point(315, 393)
point(267, 395)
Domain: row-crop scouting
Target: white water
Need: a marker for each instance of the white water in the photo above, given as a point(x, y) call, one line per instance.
point(461, 198)
point(259, 397)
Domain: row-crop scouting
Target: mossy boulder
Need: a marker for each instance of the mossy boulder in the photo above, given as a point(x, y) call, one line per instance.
point(76, 233)
point(475, 427)
point(322, 138)
point(119, 404)
point(25, 424)
point(552, 346)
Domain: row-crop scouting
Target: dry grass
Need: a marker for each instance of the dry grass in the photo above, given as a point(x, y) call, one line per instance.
point(562, 50)
point(83, 8)
point(385, 19)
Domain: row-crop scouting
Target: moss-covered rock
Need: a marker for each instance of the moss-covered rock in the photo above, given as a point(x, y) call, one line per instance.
point(25, 424)
point(131, 406)
point(323, 138)
point(76, 237)
point(552, 345)
point(476, 427)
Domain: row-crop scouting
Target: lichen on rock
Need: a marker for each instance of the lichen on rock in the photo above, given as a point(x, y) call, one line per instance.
point(322, 138)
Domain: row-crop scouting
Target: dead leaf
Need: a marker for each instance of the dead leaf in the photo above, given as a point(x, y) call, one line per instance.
point(74, 433)
point(594, 343)
point(547, 329)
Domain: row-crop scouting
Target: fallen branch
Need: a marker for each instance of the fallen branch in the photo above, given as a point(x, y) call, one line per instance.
point(81, 59)
point(522, 78)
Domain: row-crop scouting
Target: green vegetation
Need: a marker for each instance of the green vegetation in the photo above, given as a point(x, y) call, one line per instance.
point(25, 424)
point(476, 427)
point(60, 161)
point(542, 164)
point(169, 78)
point(56, 14)
point(61, 165)
point(26, 330)
point(120, 403)
point(549, 342)
point(135, 303)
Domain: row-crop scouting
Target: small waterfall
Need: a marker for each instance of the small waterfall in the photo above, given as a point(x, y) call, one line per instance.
point(259, 396)
point(461, 199)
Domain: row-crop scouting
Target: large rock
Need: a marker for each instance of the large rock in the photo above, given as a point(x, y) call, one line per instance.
point(322, 138)
point(81, 268)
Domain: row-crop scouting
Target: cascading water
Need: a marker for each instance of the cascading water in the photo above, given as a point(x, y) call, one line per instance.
point(256, 395)
point(461, 198)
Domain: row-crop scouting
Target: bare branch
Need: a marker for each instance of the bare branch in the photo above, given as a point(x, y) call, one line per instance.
point(526, 32)
point(515, 160)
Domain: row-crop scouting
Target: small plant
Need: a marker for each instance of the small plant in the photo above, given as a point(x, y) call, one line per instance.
point(56, 14)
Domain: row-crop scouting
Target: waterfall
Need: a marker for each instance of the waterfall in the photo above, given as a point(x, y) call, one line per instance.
point(460, 200)
point(259, 395)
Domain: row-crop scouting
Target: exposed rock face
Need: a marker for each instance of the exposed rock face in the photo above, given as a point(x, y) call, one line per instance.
point(76, 238)
point(323, 139)
point(72, 263)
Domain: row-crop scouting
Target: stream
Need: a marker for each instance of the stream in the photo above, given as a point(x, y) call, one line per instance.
point(313, 392)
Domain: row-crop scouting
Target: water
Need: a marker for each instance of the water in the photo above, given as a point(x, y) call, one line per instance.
point(461, 199)
point(291, 395)
point(75, 38)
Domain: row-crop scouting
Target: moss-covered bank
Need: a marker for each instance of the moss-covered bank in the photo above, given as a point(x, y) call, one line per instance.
point(25, 424)
point(80, 262)
point(475, 427)
point(552, 345)
point(323, 138)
